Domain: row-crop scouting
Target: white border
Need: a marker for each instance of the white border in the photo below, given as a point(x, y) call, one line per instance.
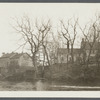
point(53, 94)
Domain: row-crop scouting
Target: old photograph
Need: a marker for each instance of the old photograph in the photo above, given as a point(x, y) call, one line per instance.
point(49, 47)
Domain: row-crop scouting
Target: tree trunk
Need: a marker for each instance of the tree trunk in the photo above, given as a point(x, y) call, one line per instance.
point(67, 59)
point(34, 63)
point(46, 55)
point(88, 59)
point(72, 56)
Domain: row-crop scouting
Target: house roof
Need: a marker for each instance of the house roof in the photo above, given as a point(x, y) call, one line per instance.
point(12, 55)
point(65, 50)
point(62, 50)
point(76, 50)
point(95, 46)
point(8, 55)
point(16, 56)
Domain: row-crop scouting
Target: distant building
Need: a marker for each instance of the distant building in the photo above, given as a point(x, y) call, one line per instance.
point(41, 57)
point(86, 46)
point(64, 56)
point(10, 62)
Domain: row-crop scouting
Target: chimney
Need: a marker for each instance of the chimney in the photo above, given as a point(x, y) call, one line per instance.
point(82, 44)
point(3, 53)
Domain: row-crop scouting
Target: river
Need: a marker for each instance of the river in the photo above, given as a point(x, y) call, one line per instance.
point(52, 86)
point(41, 85)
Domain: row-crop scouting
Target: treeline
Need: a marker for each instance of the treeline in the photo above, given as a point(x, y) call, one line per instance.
point(38, 34)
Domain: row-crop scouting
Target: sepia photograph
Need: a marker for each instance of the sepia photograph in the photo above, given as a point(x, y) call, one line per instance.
point(49, 47)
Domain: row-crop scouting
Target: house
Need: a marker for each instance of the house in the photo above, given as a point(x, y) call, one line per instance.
point(79, 54)
point(90, 50)
point(22, 59)
point(64, 55)
point(41, 57)
point(87, 46)
point(12, 62)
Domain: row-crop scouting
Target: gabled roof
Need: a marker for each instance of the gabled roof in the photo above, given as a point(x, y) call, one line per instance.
point(62, 51)
point(16, 56)
point(65, 50)
point(8, 55)
point(76, 50)
point(12, 55)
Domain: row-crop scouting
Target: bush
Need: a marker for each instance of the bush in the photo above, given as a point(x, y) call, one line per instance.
point(15, 77)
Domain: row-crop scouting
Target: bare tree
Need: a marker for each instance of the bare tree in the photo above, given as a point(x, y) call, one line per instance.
point(69, 32)
point(33, 34)
point(91, 35)
point(44, 31)
point(54, 45)
point(91, 39)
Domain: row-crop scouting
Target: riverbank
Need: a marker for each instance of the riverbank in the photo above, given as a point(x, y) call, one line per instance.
point(43, 86)
point(16, 86)
point(55, 78)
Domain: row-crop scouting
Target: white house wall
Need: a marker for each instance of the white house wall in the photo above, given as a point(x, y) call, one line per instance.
point(4, 62)
point(62, 58)
point(25, 62)
point(92, 52)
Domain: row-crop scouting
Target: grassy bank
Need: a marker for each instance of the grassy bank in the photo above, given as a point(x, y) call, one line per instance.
point(73, 74)
point(67, 74)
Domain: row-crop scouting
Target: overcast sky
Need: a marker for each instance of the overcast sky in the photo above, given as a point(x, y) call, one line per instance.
point(54, 11)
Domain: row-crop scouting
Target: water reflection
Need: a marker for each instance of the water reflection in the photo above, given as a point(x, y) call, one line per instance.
point(41, 85)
